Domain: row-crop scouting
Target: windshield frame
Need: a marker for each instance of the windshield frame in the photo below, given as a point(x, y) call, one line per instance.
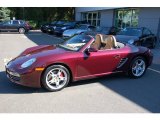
point(81, 48)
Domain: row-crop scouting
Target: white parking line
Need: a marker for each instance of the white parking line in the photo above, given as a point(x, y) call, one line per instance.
point(24, 37)
point(157, 71)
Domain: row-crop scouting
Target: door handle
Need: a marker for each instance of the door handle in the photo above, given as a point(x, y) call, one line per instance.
point(117, 56)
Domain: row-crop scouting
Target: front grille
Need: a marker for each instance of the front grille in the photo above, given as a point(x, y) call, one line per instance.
point(122, 62)
point(14, 77)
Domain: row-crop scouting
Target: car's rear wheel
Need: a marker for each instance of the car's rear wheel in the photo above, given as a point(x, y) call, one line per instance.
point(21, 30)
point(55, 78)
point(138, 67)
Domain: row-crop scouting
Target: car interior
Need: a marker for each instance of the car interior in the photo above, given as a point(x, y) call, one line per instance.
point(106, 42)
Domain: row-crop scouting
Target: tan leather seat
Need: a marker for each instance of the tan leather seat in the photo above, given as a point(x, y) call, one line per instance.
point(109, 42)
point(98, 42)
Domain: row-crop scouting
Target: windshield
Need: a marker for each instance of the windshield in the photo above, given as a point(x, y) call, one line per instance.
point(60, 22)
point(70, 23)
point(83, 27)
point(131, 32)
point(76, 42)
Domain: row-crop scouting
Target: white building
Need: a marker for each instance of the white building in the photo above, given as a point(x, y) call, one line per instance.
point(121, 17)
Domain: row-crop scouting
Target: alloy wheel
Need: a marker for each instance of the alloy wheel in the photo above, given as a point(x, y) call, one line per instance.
point(56, 78)
point(138, 67)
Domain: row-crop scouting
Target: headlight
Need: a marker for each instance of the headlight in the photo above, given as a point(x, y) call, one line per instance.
point(131, 41)
point(63, 28)
point(28, 63)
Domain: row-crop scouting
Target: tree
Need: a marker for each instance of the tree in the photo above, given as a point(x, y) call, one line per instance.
point(40, 15)
point(43, 13)
point(4, 14)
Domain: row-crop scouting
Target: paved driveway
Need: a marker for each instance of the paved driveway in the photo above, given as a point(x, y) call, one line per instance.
point(115, 93)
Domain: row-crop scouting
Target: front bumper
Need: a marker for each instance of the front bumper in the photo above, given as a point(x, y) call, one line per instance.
point(29, 79)
point(50, 30)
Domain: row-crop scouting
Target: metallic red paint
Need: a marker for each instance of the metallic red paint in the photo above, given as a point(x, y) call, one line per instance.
point(80, 64)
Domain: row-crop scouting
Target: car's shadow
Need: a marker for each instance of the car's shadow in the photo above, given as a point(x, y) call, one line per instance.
point(143, 91)
point(43, 38)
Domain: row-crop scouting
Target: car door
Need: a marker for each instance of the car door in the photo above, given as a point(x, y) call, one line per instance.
point(14, 25)
point(147, 37)
point(97, 63)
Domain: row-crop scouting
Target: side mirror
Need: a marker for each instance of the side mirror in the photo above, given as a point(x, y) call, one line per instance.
point(88, 50)
point(92, 50)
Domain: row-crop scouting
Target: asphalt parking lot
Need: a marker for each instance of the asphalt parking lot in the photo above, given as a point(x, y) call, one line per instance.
point(109, 94)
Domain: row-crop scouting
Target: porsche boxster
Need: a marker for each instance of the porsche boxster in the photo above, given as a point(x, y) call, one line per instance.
point(81, 57)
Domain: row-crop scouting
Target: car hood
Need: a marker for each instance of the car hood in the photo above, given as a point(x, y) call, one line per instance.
point(73, 31)
point(67, 26)
point(38, 52)
point(125, 38)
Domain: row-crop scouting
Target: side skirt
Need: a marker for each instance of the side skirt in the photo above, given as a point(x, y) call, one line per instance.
point(95, 75)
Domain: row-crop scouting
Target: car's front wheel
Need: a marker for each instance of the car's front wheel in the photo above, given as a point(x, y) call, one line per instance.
point(138, 67)
point(55, 78)
point(21, 30)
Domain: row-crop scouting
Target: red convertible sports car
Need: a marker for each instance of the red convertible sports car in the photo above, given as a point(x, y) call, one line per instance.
point(81, 57)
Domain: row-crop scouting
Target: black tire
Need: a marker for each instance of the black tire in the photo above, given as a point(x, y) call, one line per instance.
point(131, 73)
point(21, 30)
point(154, 43)
point(50, 87)
point(43, 31)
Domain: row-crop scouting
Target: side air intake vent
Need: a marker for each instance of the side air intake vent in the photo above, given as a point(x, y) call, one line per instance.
point(122, 62)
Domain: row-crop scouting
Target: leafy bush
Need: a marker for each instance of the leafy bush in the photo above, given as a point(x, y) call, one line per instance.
point(32, 23)
point(36, 24)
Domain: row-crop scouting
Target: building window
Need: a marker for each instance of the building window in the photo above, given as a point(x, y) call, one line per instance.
point(92, 17)
point(126, 17)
